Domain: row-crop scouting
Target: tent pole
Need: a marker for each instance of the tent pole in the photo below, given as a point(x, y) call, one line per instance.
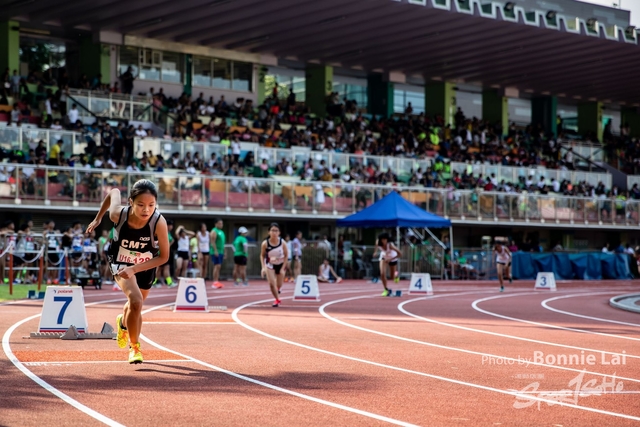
point(337, 253)
point(451, 248)
point(434, 237)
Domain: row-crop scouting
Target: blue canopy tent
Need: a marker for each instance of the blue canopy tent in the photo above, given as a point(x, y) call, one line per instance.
point(395, 211)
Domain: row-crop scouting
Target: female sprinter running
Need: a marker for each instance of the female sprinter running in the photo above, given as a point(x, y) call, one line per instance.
point(503, 263)
point(273, 255)
point(388, 256)
point(134, 255)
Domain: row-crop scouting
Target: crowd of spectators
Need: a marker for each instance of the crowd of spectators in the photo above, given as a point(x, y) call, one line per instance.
point(285, 123)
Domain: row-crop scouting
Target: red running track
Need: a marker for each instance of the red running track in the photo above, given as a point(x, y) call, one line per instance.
point(462, 356)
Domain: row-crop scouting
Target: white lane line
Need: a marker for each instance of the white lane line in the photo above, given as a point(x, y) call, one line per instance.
point(99, 362)
point(423, 374)
point(190, 323)
point(546, 305)
point(482, 331)
point(6, 346)
point(445, 347)
point(274, 387)
point(548, 325)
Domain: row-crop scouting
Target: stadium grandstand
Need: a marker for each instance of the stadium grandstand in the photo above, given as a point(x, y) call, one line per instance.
point(483, 112)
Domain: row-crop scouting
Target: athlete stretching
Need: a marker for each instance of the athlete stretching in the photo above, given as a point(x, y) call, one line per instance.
point(139, 245)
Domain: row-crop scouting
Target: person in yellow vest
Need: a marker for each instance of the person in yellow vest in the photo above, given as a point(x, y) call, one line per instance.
point(54, 154)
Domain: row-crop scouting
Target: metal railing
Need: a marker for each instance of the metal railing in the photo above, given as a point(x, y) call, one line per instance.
point(26, 138)
point(112, 106)
point(74, 143)
point(512, 173)
point(31, 185)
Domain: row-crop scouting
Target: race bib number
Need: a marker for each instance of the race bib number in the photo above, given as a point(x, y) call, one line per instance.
point(275, 260)
point(127, 256)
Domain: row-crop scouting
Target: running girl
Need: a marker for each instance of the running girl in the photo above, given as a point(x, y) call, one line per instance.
point(388, 256)
point(273, 254)
point(503, 263)
point(133, 254)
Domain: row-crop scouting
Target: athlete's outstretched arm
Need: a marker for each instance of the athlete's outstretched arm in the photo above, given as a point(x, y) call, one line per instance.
point(263, 255)
point(111, 203)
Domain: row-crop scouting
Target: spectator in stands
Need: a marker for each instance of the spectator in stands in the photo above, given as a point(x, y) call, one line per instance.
point(140, 132)
point(72, 115)
point(55, 155)
point(605, 249)
point(15, 84)
point(107, 138)
point(127, 79)
point(96, 82)
point(15, 114)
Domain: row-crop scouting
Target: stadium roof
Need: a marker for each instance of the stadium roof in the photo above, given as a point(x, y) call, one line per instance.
point(468, 41)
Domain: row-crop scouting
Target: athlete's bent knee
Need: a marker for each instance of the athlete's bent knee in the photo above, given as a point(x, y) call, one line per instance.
point(135, 303)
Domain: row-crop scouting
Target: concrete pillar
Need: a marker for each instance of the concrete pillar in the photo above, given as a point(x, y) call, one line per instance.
point(590, 119)
point(440, 100)
point(631, 116)
point(9, 46)
point(188, 74)
point(261, 75)
point(544, 111)
point(495, 109)
point(318, 85)
point(95, 58)
point(379, 95)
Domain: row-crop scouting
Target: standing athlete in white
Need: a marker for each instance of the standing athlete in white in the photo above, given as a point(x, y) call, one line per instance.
point(388, 256)
point(273, 254)
point(503, 263)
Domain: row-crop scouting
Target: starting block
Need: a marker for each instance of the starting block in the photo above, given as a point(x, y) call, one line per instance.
point(107, 333)
point(420, 284)
point(545, 282)
point(63, 307)
point(306, 289)
point(192, 295)
point(33, 294)
point(397, 294)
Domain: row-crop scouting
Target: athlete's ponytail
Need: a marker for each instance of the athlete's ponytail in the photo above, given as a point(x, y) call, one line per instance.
point(143, 186)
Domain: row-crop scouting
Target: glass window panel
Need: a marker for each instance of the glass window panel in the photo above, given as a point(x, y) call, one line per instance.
point(417, 101)
point(149, 73)
point(222, 74)
point(128, 58)
point(398, 101)
point(242, 76)
point(172, 67)
point(201, 71)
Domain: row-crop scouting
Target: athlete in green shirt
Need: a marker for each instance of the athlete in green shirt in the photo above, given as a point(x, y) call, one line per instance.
point(240, 257)
point(217, 241)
